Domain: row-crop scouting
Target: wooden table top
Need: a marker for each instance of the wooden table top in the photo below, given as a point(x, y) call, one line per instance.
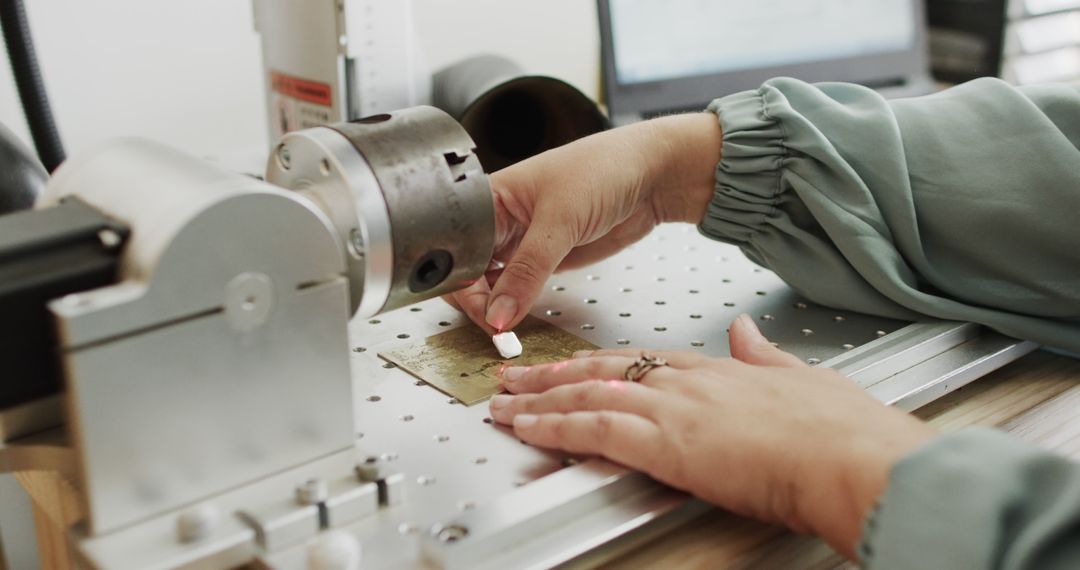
point(1036, 399)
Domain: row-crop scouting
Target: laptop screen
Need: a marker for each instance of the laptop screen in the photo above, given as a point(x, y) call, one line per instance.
point(677, 38)
point(661, 55)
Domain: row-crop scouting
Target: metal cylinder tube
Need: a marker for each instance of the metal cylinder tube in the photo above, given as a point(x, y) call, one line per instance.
point(408, 197)
point(512, 115)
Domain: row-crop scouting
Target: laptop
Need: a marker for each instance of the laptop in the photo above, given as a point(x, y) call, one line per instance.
point(677, 55)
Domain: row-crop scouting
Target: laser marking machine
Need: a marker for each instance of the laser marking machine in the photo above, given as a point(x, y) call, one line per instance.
point(198, 354)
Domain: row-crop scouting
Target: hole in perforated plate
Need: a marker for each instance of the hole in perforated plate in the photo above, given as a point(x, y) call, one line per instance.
point(624, 315)
point(592, 277)
point(442, 438)
point(403, 336)
point(847, 346)
point(426, 480)
point(374, 398)
point(588, 327)
point(558, 288)
point(374, 322)
point(799, 306)
point(407, 418)
point(694, 291)
point(660, 303)
point(590, 301)
point(480, 461)
point(416, 309)
point(881, 333)
point(623, 342)
point(838, 319)
point(729, 304)
point(807, 332)
point(697, 343)
point(695, 316)
point(813, 361)
point(660, 329)
point(626, 290)
point(359, 349)
point(445, 323)
point(389, 365)
point(553, 313)
point(768, 318)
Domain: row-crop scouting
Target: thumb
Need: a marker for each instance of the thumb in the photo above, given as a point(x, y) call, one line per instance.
point(542, 248)
point(751, 347)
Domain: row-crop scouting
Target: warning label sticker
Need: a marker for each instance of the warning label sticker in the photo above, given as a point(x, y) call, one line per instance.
point(302, 89)
point(299, 103)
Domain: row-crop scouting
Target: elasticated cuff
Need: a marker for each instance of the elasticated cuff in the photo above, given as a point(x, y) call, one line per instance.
point(748, 183)
point(948, 504)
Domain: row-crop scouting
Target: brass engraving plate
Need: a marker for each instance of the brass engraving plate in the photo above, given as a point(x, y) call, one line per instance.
point(464, 363)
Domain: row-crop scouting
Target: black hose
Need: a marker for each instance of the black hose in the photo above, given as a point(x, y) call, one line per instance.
point(35, 101)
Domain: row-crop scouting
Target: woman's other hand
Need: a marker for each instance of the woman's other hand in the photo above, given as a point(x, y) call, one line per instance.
point(760, 434)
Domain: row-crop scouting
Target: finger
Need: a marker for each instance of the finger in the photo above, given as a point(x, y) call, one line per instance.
point(541, 250)
point(595, 395)
point(450, 300)
point(472, 301)
point(521, 380)
point(676, 359)
point(624, 438)
point(751, 347)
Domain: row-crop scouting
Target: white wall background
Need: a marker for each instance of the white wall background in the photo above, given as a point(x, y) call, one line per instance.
point(188, 72)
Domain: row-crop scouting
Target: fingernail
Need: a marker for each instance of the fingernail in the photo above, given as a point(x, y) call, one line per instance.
point(512, 373)
point(583, 354)
point(501, 312)
point(525, 421)
point(499, 402)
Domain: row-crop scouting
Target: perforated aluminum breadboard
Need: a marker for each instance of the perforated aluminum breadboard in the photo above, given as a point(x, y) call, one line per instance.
point(674, 290)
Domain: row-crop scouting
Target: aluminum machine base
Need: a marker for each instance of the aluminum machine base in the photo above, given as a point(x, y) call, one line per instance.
point(476, 497)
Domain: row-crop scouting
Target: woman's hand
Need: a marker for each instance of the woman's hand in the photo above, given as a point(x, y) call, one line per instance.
point(761, 434)
point(583, 202)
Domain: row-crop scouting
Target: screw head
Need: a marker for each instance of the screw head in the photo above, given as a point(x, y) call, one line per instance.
point(284, 157)
point(312, 492)
point(450, 533)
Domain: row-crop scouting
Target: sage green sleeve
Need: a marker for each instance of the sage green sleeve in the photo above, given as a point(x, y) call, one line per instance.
point(977, 499)
point(963, 205)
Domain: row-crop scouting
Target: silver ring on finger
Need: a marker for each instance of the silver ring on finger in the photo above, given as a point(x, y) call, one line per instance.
point(636, 372)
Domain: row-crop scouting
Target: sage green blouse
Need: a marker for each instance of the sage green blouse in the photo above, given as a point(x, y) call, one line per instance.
point(963, 205)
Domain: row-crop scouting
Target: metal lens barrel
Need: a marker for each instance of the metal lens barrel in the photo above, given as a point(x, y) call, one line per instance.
point(408, 196)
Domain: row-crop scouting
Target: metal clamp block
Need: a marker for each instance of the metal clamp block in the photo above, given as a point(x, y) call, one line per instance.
point(350, 501)
point(283, 524)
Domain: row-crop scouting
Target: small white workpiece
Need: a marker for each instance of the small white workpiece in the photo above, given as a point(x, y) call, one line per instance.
point(508, 344)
